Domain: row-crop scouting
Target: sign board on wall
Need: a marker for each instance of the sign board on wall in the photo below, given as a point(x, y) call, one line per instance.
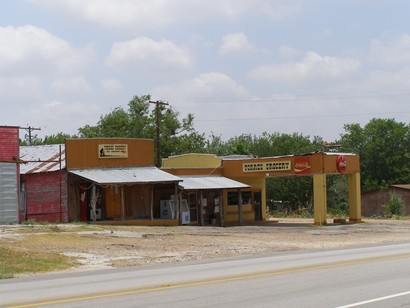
point(113, 150)
point(302, 165)
point(267, 166)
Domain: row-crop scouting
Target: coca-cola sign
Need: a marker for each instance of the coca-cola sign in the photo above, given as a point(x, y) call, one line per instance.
point(341, 164)
point(302, 165)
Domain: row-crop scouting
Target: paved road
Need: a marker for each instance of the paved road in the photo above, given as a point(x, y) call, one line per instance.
point(377, 276)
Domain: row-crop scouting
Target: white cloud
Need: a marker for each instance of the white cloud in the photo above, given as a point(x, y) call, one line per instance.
point(149, 54)
point(23, 87)
point(111, 85)
point(287, 52)
point(73, 84)
point(31, 50)
point(213, 85)
point(391, 53)
point(236, 43)
point(55, 116)
point(144, 14)
point(313, 67)
point(208, 96)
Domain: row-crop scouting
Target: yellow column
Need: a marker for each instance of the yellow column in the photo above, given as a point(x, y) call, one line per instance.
point(355, 201)
point(319, 199)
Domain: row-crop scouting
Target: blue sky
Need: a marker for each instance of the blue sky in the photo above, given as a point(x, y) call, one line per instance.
point(287, 66)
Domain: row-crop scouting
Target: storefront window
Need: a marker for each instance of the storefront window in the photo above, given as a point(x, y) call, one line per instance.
point(233, 197)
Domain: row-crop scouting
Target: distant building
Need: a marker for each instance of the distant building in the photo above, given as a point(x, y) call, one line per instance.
point(373, 201)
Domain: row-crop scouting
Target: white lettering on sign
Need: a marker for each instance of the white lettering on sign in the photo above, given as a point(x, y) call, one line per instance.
point(268, 166)
point(113, 150)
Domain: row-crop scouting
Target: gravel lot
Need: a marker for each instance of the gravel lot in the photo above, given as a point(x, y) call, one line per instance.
point(98, 247)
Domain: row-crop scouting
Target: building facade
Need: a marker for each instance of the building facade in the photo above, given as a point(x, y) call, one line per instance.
point(9, 174)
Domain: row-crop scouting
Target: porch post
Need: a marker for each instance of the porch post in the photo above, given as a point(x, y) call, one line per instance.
point(152, 203)
point(122, 204)
point(221, 208)
point(240, 212)
point(177, 207)
point(201, 209)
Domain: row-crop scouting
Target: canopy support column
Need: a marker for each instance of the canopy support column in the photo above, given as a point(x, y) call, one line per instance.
point(355, 206)
point(319, 199)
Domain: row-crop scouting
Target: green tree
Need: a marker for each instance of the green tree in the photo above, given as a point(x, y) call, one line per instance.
point(58, 138)
point(384, 149)
point(139, 121)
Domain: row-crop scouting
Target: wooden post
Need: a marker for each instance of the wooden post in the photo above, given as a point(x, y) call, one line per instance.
point(122, 204)
point(240, 212)
point(221, 208)
point(202, 209)
point(176, 202)
point(152, 203)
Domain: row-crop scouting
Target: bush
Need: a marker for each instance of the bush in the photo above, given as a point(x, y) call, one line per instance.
point(394, 208)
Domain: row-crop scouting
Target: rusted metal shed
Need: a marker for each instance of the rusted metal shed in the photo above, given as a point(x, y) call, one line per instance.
point(43, 183)
point(373, 201)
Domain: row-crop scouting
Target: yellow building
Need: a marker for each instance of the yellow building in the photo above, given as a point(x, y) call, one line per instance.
point(246, 203)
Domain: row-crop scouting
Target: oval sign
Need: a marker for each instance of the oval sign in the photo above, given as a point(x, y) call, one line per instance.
point(341, 164)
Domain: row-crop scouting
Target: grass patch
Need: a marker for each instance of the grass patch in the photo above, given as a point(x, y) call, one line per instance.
point(14, 261)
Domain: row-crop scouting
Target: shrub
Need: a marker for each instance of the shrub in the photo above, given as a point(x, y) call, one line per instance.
point(394, 207)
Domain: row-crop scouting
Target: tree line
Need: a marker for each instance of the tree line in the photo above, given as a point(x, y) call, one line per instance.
point(383, 146)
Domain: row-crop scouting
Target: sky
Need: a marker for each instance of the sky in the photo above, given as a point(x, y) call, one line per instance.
point(239, 66)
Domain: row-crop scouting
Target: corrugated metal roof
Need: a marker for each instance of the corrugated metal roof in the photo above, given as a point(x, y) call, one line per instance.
point(42, 158)
point(210, 182)
point(126, 175)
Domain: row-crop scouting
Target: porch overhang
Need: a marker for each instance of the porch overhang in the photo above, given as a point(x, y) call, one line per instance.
point(210, 183)
point(126, 176)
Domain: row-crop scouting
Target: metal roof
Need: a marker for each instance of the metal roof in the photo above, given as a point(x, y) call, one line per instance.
point(126, 175)
point(42, 158)
point(210, 182)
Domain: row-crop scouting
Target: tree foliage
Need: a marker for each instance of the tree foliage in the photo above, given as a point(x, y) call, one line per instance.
point(58, 138)
point(384, 149)
point(295, 192)
point(139, 120)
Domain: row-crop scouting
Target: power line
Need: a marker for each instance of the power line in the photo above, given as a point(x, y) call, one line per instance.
point(302, 116)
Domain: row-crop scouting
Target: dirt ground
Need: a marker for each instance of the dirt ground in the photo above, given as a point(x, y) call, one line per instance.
point(98, 247)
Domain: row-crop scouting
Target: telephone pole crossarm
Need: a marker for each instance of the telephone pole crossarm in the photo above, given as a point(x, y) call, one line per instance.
point(29, 130)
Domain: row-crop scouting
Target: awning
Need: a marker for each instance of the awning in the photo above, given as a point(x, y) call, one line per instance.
point(210, 182)
point(126, 175)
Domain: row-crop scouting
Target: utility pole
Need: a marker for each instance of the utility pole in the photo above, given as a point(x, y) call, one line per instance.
point(158, 115)
point(29, 130)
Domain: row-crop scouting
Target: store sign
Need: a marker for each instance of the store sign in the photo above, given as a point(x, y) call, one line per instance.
point(113, 150)
point(267, 166)
point(302, 165)
point(341, 164)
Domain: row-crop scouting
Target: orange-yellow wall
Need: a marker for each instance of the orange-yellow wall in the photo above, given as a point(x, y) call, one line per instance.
point(83, 153)
point(318, 162)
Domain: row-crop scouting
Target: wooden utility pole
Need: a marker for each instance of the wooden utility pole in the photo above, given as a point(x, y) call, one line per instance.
point(29, 130)
point(158, 115)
